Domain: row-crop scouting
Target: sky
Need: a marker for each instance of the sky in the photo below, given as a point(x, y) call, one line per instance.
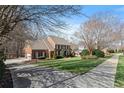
point(89, 10)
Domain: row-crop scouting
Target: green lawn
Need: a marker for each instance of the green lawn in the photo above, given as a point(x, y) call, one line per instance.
point(74, 65)
point(119, 79)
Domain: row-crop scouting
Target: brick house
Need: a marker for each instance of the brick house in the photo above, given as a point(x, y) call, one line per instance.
point(47, 47)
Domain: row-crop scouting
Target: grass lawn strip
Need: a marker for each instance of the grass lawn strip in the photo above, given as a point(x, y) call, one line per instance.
point(119, 78)
point(74, 65)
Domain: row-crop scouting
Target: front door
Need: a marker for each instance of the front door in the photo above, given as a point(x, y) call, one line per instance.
point(64, 53)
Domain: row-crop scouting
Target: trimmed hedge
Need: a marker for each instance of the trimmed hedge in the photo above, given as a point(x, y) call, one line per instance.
point(85, 52)
point(42, 57)
point(98, 53)
point(111, 51)
point(59, 56)
point(120, 51)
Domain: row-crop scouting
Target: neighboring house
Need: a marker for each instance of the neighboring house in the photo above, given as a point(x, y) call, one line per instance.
point(105, 50)
point(48, 47)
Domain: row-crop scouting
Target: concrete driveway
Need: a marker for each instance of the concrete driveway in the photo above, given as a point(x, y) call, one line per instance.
point(16, 61)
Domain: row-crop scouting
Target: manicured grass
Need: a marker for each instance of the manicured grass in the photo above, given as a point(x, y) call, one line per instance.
point(119, 78)
point(74, 64)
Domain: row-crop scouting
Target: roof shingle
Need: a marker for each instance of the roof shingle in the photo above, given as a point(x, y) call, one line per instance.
point(44, 43)
point(59, 41)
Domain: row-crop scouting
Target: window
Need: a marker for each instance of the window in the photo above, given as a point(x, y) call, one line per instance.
point(33, 54)
point(66, 53)
point(58, 46)
point(43, 54)
point(67, 47)
point(64, 46)
point(56, 52)
point(39, 53)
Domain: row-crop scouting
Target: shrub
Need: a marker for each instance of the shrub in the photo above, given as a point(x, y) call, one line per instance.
point(94, 50)
point(84, 52)
point(61, 53)
point(59, 56)
point(72, 54)
point(2, 65)
point(111, 51)
point(98, 53)
point(116, 50)
point(120, 51)
point(41, 57)
point(2, 69)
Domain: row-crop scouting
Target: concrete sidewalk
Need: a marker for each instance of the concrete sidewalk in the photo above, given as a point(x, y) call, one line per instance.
point(102, 76)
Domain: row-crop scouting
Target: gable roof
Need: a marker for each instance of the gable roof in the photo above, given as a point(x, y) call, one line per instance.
point(41, 44)
point(44, 43)
point(48, 45)
point(59, 41)
point(38, 45)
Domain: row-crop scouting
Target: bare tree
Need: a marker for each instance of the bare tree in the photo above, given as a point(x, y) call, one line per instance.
point(43, 18)
point(98, 32)
point(16, 43)
point(119, 35)
point(122, 35)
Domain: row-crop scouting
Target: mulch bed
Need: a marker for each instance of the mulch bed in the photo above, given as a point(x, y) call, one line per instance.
point(6, 81)
point(34, 61)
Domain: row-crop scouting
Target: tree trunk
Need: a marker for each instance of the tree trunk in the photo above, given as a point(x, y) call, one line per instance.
point(90, 51)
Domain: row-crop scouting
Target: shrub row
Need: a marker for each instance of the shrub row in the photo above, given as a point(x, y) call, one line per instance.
point(96, 52)
point(84, 52)
point(42, 57)
point(58, 57)
point(115, 51)
point(111, 51)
